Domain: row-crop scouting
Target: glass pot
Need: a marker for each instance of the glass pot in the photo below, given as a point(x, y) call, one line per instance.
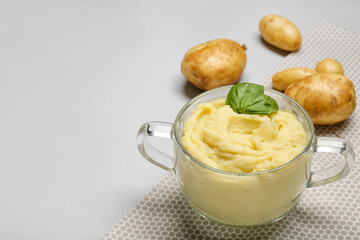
point(244, 199)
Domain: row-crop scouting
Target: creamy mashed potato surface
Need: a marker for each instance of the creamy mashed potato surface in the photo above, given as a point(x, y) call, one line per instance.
point(223, 139)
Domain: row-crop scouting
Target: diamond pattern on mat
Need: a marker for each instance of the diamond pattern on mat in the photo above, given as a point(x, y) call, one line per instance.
point(328, 212)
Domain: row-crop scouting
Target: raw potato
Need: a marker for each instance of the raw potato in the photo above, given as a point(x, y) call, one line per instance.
point(281, 80)
point(329, 98)
point(329, 65)
point(215, 63)
point(280, 32)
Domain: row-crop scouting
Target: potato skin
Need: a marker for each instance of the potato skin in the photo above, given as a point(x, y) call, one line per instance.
point(329, 65)
point(214, 63)
point(281, 80)
point(280, 32)
point(329, 98)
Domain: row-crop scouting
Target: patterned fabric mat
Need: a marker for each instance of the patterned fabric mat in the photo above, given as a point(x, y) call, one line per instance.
point(327, 212)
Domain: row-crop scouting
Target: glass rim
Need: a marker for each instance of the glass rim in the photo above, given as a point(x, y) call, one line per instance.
point(176, 127)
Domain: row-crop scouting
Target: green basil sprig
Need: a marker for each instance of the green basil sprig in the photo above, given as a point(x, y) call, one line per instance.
point(250, 98)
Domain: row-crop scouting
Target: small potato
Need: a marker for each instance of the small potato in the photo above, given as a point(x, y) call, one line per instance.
point(329, 65)
point(283, 79)
point(329, 98)
point(280, 32)
point(215, 63)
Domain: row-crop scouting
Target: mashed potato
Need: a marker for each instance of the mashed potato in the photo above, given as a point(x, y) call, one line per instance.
point(217, 136)
point(244, 146)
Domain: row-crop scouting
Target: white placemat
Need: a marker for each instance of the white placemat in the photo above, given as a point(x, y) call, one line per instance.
point(327, 212)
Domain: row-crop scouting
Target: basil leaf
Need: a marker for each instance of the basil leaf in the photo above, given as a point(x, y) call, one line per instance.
point(250, 98)
point(238, 90)
point(255, 103)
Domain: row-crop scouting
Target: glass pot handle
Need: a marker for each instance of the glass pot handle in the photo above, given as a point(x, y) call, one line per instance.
point(152, 154)
point(332, 145)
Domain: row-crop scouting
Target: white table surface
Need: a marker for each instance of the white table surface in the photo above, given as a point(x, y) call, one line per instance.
point(78, 78)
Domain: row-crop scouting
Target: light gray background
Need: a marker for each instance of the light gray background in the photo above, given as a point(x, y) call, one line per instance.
point(78, 78)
